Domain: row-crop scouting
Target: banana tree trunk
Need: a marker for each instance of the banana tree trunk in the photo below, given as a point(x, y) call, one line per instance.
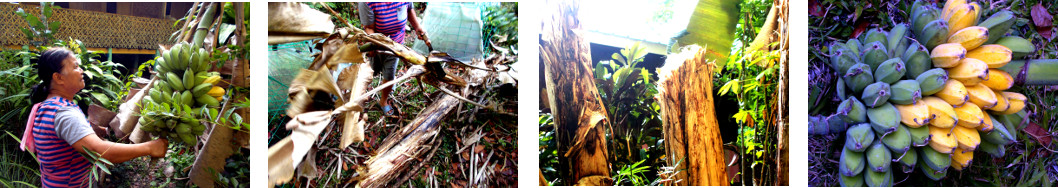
point(775, 30)
point(688, 115)
point(221, 141)
point(578, 111)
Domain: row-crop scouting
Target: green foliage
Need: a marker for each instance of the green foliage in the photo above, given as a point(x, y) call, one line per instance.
point(13, 171)
point(751, 78)
point(749, 26)
point(236, 171)
point(628, 93)
point(100, 166)
point(41, 30)
point(631, 174)
point(100, 82)
point(347, 10)
point(549, 149)
point(501, 27)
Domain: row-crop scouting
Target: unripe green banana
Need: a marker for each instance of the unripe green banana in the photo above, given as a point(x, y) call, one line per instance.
point(175, 82)
point(998, 24)
point(996, 150)
point(897, 41)
point(852, 111)
point(922, 16)
point(189, 79)
point(876, 94)
point(908, 160)
point(851, 181)
point(919, 136)
point(898, 141)
point(878, 179)
point(1019, 46)
point(855, 47)
point(890, 71)
point(178, 62)
point(933, 174)
point(875, 54)
point(207, 100)
point(858, 137)
point(934, 34)
point(858, 77)
point(875, 35)
point(999, 134)
point(932, 81)
point(201, 89)
point(916, 60)
point(851, 162)
point(187, 98)
point(905, 92)
point(936, 161)
point(884, 119)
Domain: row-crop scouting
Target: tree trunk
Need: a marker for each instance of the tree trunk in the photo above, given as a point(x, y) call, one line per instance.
point(402, 154)
point(578, 111)
point(692, 135)
point(219, 142)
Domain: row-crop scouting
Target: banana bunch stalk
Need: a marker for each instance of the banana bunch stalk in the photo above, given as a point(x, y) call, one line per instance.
point(184, 88)
point(927, 94)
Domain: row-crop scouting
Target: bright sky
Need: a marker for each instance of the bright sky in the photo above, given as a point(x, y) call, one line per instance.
point(634, 18)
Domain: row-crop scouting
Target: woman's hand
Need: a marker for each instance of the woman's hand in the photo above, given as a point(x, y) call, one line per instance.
point(158, 147)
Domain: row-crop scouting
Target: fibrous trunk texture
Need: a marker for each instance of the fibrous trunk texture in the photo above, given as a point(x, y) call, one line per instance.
point(578, 111)
point(692, 135)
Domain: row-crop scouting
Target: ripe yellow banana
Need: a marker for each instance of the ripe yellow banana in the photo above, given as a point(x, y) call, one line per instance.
point(993, 54)
point(914, 115)
point(970, 37)
point(942, 113)
point(942, 139)
point(953, 92)
point(947, 55)
point(970, 71)
point(969, 115)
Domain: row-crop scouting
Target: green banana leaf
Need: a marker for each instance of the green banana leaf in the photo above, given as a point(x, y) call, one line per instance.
point(712, 26)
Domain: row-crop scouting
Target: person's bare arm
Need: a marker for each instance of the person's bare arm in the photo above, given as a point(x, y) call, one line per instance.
point(414, 22)
point(117, 152)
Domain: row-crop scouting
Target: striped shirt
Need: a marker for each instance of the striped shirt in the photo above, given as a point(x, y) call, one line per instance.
point(60, 164)
point(389, 18)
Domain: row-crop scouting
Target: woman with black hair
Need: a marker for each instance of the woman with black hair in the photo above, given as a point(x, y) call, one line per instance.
point(58, 132)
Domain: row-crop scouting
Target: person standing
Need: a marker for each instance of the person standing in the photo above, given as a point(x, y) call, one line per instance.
point(58, 132)
point(389, 18)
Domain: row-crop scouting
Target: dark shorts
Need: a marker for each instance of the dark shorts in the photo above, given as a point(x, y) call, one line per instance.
point(384, 64)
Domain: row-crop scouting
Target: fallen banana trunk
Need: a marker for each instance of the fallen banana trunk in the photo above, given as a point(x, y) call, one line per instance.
point(306, 129)
point(402, 154)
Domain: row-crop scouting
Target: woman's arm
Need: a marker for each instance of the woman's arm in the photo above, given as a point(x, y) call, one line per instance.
point(117, 153)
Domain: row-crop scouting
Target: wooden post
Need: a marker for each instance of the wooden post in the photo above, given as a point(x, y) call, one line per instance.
point(692, 134)
point(575, 104)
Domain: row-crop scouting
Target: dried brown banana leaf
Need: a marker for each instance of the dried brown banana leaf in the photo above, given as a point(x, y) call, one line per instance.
point(287, 19)
point(356, 78)
point(305, 86)
point(280, 165)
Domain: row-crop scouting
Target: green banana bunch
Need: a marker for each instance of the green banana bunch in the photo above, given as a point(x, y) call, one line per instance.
point(185, 86)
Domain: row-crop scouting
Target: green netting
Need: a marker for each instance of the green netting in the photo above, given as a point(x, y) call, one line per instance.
point(284, 63)
point(454, 28)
